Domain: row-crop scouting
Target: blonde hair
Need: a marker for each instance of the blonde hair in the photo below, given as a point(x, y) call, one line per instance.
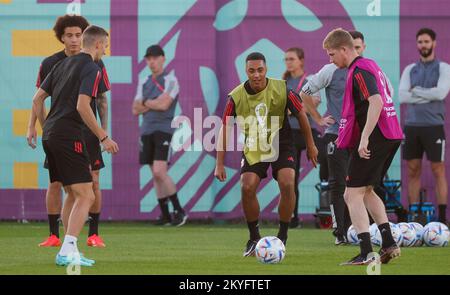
point(338, 38)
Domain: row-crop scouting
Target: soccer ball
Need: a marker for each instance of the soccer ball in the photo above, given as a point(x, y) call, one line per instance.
point(396, 233)
point(419, 233)
point(352, 235)
point(375, 235)
point(270, 250)
point(436, 234)
point(408, 234)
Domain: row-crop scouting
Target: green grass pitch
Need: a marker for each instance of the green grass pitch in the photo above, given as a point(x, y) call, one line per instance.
point(138, 248)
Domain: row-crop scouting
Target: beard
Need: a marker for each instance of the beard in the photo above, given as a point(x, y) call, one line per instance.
point(426, 52)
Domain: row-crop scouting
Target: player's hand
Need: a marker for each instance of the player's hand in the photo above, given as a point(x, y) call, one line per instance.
point(110, 146)
point(312, 153)
point(363, 151)
point(220, 173)
point(327, 121)
point(32, 137)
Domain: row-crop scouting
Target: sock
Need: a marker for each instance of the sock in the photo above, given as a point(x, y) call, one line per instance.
point(283, 230)
point(163, 204)
point(53, 222)
point(176, 203)
point(253, 228)
point(365, 244)
point(69, 246)
point(442, 213)
point(93, 223)
point(386, 235)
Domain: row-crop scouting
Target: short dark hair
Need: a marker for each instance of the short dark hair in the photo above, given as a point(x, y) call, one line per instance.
point(357, 35)
point(154, 50)
point(255, 56)
point(427, 31)
point(66, 21)
point(91, 34)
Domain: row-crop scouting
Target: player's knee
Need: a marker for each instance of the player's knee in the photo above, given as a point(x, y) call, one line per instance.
point(95, 185)
point(438, 170)
point(347, 197)
point(54, 188)
point(84, 193)
point(89, 198)
point(286, 186)
point(414, 171)
point(159, 174)
point(248, 190)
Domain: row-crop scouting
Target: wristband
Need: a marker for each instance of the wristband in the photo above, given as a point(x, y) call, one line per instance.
point(104, 138)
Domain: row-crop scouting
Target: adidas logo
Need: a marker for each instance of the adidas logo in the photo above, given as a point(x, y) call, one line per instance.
point(166, 143)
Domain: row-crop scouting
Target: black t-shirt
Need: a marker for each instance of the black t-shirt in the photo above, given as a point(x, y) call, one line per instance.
point(364, 86)
point(69, 78)
point(48, 64)
point(293, 103)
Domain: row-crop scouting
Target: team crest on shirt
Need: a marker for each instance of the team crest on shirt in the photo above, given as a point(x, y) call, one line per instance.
point(261, 112)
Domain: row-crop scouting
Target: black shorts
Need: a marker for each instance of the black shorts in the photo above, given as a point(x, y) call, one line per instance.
point(418, 140)
point(68, 161)
point(365, 172)
point(286, 159)
point(94, 151)
point(154, 147)
point(299, 140)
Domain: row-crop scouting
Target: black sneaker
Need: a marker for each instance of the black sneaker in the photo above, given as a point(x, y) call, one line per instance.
point(250, 248)
point(163, 221)
point(340, 241)
point(386, 254)
point(283, 240)
point(358, 260)
point(179, 218)
point(294, 223)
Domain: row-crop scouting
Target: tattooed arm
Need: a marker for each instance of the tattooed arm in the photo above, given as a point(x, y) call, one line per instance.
point(102, 108)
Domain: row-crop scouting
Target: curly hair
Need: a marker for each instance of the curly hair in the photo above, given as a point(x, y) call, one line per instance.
point(66, 21)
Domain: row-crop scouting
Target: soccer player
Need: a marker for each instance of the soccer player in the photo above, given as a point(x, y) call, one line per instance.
point(369, 126)
point(260, 106)
point(68, 30)
point(72, 84)
point(332, 79)
point(358, 42)
point(156, 99)
point(295, 77)
point(424, 85)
